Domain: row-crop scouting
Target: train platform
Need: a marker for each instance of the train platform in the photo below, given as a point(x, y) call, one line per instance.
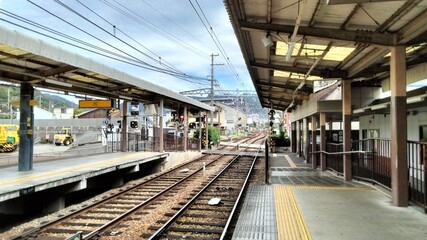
point(303, 203)
point(77, 171)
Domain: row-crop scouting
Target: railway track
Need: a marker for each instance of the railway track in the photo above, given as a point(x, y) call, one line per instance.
point(149, 203)
point(112, 208)
point(255, 138)
point(207, 215)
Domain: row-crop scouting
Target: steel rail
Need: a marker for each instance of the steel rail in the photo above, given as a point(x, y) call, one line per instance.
point(165, 226)
point(236, 204)
point(142, 204)
point(75, 213)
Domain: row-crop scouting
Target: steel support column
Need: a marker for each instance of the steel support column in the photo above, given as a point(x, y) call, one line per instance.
point(124, 126)
point(305, 139)
point(200, 130)
point(399, 166)
point(26, 126)
point(322, 141)
point(293, 137)
point(298, 138)
point(206, 132)
point(185, 129)
point(161, 139)
point(313, 141)
point(346, 119)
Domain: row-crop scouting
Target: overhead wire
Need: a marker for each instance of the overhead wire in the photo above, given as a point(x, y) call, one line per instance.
point(99, 27)
point(174, 23)
point(215, 39)
point(117, 57)
point(130, 37)
point(153, 27)
point(144, 64)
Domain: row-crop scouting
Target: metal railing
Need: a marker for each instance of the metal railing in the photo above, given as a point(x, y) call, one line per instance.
point(138, 142)
point(333, 160)
point(371, 161)
point(417, 172)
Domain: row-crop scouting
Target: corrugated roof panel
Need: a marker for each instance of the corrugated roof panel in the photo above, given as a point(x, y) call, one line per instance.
point(338, 53)
point(334, 14)
point(58, 56)
point(372, 14)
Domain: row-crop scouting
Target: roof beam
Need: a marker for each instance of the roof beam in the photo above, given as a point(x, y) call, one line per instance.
point(383, 39)
point(325, 73)
point(285, 87)
point(415, 30)
point(56, 71)
point(374, 56)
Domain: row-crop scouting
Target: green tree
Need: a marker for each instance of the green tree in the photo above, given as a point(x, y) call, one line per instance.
point(213, 134)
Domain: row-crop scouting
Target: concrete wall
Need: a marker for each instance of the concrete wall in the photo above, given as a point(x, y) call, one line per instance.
point(382, 122)
point(176, 158)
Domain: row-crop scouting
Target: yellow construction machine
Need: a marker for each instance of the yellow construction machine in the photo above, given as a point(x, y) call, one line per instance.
point(9, 137)
point(63, 137)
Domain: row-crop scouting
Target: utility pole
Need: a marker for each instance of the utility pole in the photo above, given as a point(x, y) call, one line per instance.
point(212, 82)
point(9, 104)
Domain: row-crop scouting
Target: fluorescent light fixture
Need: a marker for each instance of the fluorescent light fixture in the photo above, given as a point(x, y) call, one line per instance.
point(64, 84)
point(290, 50)
point(360, 110)
point(379, 106)
point(267, 41)
point(125, 97)
point(416, 99)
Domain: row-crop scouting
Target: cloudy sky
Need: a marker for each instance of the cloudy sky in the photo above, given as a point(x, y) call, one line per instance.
point(172, 36)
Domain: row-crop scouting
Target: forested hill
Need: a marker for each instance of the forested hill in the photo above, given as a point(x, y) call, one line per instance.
point(10, 94)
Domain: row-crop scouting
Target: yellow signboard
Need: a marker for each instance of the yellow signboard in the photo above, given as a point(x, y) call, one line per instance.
point(95, 103)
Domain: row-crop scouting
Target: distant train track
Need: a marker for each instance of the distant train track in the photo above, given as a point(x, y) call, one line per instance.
point(167, 193)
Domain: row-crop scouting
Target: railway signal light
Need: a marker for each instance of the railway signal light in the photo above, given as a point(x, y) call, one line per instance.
point(134, 124)
point(271, 114)
point(173, 113)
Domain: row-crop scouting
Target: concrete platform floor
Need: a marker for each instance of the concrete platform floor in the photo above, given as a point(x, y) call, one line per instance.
point(301, 203)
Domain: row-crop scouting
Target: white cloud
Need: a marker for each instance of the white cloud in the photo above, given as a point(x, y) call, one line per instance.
point(177, 18)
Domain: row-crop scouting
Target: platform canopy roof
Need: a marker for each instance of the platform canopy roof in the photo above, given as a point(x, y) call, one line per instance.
point(24, 59)
point(289, 44)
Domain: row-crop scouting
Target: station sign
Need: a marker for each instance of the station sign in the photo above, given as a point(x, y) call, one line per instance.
point(95, 103)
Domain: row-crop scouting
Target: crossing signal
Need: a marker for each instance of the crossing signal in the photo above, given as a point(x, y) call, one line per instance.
point(134, 124)
point(181, 114)
point(271, 114)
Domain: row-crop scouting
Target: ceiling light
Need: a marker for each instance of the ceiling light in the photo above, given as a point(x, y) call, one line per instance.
point(418, 98)
point(415, 99)
point(267, 41)
point(64, 84)
point(125, 97)
point(360, 110)
point(379, 106)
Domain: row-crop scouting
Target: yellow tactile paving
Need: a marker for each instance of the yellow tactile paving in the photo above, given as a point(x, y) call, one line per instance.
point(334, 188)
point(291, 163)
point(33, 177)
point(289, 218)
point(290, 221)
